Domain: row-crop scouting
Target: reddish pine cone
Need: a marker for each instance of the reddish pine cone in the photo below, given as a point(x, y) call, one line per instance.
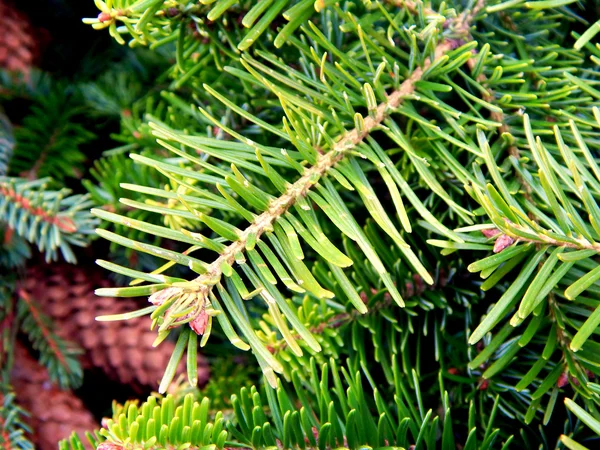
point(18, 47)
point(122, 349)
point(54, 414)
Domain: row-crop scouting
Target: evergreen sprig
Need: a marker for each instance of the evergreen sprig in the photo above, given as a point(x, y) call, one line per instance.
point(52, 220)
point(60, 357)
point(548, 237)
point(48, 140)
point(194, 302)
point(13, 429)
point(339, 162)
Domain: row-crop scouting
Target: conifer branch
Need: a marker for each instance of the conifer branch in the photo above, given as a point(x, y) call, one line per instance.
point(53, 220)
point(302, 199)
point(61, 221)
point(574, 243)
point(13, 429)
point(42, 325)
point(58, 355)
point(325, 162)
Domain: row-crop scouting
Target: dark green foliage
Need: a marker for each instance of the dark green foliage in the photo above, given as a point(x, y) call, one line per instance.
point(48, 127)
point(336, 408)
point(110, 173)
point(374, 159)
point(49, 138)
point(228, 375)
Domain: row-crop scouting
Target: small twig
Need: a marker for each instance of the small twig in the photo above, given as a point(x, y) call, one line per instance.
point(413, 289)
point(579, 244)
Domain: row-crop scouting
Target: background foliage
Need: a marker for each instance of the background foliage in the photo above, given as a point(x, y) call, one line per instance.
point(388, 207)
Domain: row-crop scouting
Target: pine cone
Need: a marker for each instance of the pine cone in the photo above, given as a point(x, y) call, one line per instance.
point(122, 349)
point(54, 414)
point(18, 47)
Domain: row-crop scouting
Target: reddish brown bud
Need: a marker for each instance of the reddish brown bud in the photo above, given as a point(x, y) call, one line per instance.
point(200, 322)
point(502, 242)
point(104, 17)
point(563, 380)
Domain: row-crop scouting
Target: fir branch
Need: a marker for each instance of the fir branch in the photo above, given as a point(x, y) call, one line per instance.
point(325, 162)
point(428, 142)
point(177, 302)
point(13, 429)
point(516, 234)
point(52, 220)
point(61, 221)
point(59, 356)
point(49, 140)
